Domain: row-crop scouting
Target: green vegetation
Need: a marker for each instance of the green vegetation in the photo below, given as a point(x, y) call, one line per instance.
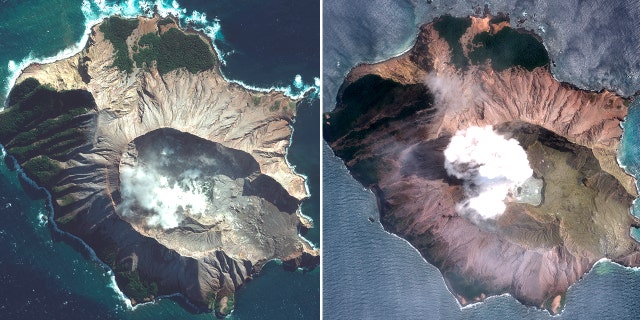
point(136, 288)
point(42, 169)
point(227, 307)
point(256, 100)
point(108, 252)
point(180, 50)
point(230, 303)
point(508, 48)
point(211, 298)
point(117, 30)
point(43, 126)
point(20, 92)
point(173, 50)
point(129, 281)
point(149, 49)
point(64, 219)
point(132, 285)
point(165, 21)
point(451, 29)
point(67, 200)
point(292, 105)
point(275, 107)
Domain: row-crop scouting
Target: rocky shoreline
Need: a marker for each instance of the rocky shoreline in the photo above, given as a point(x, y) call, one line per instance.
point(110, 108)
point(394, 119)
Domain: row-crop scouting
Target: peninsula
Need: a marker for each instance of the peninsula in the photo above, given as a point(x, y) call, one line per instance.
point(501, 176)
point(175, 177)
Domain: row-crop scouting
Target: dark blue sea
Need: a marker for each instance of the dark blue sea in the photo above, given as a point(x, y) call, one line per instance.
point(45, 274)
point(371, 274)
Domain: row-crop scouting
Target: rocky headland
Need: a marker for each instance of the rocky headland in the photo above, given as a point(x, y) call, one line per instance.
point(394, 120)
point(175, 177)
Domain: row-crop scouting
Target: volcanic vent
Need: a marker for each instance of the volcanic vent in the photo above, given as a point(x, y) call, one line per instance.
point(176, 178)
point(502, 177)
point(196, 196)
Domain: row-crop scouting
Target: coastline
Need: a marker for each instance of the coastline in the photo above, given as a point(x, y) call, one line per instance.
point(111, 272)
point(346, 20)
point(210, 29)
point(305, 91)
point(66, 235)
point(605, 161)
point(621, 156)
point(622, 148)
point(54, 226)
point(50, 220)
point(472, 305)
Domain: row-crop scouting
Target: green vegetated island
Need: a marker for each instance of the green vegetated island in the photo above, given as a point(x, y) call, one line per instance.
point(144, 108)
point(395, 120)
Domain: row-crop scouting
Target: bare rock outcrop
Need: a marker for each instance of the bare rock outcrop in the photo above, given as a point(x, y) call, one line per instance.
point(394, 119)
point(207, 257)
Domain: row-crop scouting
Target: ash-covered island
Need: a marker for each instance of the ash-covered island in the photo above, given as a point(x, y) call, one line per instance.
point(175, 177)
point(502, 177)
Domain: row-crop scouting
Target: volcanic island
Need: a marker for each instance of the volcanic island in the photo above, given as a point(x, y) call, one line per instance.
point(501, 176)
point(175, 177)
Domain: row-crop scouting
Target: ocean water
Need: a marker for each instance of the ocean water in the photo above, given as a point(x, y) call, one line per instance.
point(629, 153)
point(581, 36)
point(267, 46)
point(46, 274)
point(369, 273)
point(304, 154)
point(297, 23)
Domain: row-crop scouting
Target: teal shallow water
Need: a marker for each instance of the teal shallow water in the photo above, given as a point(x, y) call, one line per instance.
point(49, 275)
point(370, 273)
point(373, 274)
point(629, 153)
point(45, 273)
point(36, 29)
point(42, 31)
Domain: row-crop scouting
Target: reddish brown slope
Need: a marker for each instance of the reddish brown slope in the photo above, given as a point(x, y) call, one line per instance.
point(394, 119)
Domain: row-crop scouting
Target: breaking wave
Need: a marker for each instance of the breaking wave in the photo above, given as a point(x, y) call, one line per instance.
point(95, 11)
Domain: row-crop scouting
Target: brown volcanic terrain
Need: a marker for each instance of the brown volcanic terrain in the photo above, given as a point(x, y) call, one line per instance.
point(394, 119)
point(235, 138)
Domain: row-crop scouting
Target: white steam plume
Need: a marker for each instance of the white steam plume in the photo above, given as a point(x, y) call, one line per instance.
point(491, 167)
point(452, 93)
point(166, 202)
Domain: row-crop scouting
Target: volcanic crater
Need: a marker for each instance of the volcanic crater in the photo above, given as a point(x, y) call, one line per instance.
point(196, 196)
point(175, 177)
point(394, 120)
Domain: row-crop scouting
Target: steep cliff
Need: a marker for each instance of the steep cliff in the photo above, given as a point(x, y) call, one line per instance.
point(394, 120)
point(143, 110)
